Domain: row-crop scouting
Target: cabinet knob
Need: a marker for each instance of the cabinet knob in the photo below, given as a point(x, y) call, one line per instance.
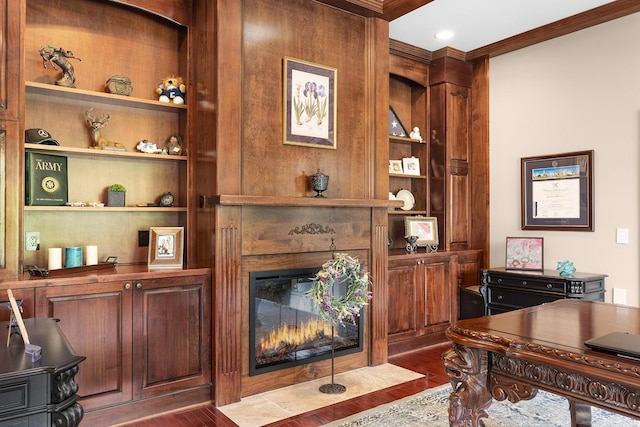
point(127, 286)
point(139, 285)
point(549, 286)
point(524, 282)
point(499, 297)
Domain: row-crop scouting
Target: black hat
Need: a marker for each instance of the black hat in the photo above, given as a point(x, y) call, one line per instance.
point(39, 136)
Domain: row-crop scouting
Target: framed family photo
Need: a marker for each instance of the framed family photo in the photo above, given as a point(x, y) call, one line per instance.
point(309, 104)
point(426, 228)
point(166, 247)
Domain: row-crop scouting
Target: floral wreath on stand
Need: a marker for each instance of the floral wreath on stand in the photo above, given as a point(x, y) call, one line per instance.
point(341, 308)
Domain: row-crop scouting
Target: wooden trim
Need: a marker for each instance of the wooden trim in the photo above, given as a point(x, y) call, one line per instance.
point(599, 15)
point(241, 200)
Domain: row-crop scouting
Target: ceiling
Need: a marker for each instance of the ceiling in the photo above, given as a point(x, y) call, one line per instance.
point(479, 23)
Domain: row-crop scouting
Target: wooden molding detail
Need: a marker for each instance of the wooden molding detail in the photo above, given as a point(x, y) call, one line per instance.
point(312, 228)
point(606, 391)
point(467, 371)
point(227, 355)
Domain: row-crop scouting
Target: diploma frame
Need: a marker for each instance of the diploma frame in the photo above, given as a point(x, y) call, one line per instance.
point(570, 177)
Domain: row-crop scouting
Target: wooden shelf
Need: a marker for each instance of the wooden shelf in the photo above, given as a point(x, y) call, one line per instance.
point(104, 209)
point(407, 213)
point(108, 153)
point(404, 139)
point(402, 175)
point(104, 98)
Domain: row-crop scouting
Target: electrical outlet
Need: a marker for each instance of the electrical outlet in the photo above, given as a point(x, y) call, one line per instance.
point(32, 241)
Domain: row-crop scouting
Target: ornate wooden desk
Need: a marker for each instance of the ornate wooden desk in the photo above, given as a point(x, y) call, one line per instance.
point(41, 393)
point(512, 355)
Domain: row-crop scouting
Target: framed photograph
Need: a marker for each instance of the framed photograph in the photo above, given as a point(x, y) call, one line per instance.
point(411, 166)
point(557, 192)
point(395, 125)
point(525, 253)
point(395, 166)
point(309, 104)
point(426, 228)
point(166, 247)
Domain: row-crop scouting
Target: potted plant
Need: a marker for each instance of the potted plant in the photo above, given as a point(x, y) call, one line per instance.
point(115, 195)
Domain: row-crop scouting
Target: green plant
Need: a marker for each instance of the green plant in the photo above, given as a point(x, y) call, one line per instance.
point(119, 188)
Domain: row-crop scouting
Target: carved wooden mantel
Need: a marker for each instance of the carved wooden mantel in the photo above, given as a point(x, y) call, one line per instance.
point(263, 233)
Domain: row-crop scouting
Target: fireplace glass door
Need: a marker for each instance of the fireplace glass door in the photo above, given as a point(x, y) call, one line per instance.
point(286, 328)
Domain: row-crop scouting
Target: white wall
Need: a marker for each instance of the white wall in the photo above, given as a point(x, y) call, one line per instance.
point(573, 93)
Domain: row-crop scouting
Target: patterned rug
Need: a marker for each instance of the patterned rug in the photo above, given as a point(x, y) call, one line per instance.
point(430, 408)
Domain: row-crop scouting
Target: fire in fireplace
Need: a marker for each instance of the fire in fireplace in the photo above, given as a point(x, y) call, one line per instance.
point(285, 324)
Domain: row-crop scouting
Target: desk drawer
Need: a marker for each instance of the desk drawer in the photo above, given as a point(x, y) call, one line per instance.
point(528, 283)
point(517, 298)
point(20, 395)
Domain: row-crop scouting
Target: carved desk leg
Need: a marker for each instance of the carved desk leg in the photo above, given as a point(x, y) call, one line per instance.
point(467, 372)
point(580, 414)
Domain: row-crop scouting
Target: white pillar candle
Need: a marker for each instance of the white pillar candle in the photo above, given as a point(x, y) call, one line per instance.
point(91, 255)
point(55, 258)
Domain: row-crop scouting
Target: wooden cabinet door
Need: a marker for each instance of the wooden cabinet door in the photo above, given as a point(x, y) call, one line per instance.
point(172, 330)
point(11, 16)
point(438, 294)
point(96, 319)
point(404, 282)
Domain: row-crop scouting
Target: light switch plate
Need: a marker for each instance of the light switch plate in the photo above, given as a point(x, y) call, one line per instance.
point(622, 235)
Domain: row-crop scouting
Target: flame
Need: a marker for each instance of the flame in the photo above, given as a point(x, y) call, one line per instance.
point(288, 337)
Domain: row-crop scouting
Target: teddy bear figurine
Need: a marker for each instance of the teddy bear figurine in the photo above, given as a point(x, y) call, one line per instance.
point(172, 89)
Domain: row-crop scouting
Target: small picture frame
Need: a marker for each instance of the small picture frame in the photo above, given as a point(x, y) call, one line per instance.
point(166, 246)
point(525, 253)
point(395, 166)
point(426, 228)
point(411, 166)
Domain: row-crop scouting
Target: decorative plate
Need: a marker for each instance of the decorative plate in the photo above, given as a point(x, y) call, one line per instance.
point(407, 198)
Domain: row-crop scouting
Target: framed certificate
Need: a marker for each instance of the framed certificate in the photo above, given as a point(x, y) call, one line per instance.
point(557, 192)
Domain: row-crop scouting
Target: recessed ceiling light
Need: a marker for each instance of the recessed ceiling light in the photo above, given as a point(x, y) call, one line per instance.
point(444, 35)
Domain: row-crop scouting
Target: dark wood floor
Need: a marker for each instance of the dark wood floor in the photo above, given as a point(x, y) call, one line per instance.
point(426, 361)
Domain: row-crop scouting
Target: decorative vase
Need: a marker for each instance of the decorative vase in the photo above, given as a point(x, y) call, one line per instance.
point(115, 199)
point(319, 182)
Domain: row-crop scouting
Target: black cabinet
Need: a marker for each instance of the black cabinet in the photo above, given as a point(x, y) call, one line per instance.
point(41, 393)
point(506, 290)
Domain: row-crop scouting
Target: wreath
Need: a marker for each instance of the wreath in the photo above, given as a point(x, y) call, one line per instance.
point(341, 308)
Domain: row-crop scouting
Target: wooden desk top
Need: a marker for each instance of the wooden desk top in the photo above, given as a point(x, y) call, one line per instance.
point(563, 324)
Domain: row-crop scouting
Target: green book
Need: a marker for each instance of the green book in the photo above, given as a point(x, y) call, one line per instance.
point(45, 179)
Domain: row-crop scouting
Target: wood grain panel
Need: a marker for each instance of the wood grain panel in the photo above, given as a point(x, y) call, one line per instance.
point(437, 291)
point(289, 230)
point(273, 31)
point(97, 323)
point(11, 16)
point(172, 316)
point(402, 302)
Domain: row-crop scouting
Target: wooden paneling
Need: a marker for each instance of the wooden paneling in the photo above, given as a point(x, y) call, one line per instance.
point(97, 322)
point(274, 30)
point(289, 230)
point(11, 17)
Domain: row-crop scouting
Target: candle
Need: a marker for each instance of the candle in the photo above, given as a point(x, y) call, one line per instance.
point(91, 255)
point(55, 258)
point(73, 257)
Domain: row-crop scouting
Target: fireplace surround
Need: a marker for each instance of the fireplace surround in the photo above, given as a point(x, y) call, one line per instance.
point(286, 329)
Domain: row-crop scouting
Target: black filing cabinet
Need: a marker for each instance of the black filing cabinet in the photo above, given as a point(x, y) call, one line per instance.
point(506, 290)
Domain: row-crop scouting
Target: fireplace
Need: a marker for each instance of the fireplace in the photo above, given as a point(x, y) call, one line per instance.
point(285, 325)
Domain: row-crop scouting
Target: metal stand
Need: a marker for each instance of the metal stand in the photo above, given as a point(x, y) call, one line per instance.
point(332, 388)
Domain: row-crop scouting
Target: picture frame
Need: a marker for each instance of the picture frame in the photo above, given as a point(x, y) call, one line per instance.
point(411, 166)
point(309, 104)
point(557, 192)
point(395, 166)
point(166, 247)
point(426, 228)
point(525, 253)
point(396, 128)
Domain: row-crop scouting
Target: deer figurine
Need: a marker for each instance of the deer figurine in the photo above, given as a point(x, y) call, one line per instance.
point(98, 141)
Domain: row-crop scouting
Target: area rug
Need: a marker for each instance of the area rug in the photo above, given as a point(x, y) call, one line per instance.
point(430, 408)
